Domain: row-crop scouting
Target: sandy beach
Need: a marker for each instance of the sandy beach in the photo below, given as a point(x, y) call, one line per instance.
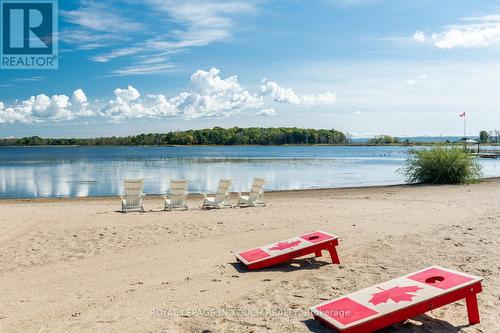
point(78, 265)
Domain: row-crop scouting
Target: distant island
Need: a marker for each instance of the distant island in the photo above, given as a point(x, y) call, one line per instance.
point(214, 136)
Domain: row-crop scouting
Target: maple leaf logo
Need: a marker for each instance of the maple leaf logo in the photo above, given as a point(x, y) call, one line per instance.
point(397, 294)
point(284, 245)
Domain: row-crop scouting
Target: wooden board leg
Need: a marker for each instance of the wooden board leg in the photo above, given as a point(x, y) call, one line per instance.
point(472, 309)
point(318, 253)
point(334, 255)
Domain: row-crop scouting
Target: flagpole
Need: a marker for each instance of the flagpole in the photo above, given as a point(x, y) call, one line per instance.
point(465, 126)
point(464, 115)
point(465, 131)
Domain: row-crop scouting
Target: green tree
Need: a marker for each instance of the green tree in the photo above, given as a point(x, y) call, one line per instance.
point(484, 136)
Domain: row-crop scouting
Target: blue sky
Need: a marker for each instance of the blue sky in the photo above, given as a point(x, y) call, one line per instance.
point(366, 67)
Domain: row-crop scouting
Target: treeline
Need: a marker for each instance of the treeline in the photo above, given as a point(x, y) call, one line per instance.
point(215, 136)
point(384, 140)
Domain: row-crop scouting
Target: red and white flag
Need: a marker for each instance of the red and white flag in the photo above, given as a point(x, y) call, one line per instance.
point(462, 115)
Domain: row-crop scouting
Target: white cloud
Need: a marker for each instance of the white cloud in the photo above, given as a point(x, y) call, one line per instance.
point(419, 36)
point(486, 18)
point(80, 97)
point(29, 79)
point(81, 104)
point(419, 79)
point(473, 32)
point(145, 69)
point(43, 108)
point(9, 115)
point(116, 54)
point(161, 107)
point(204, 22)
point(126, 104)
point(326, 98)
point(468, 38)
point(267, 112)
point(279, 94)
point(126, 95)
point(209, 95)
point(287, 95)
point(84, 39)
point(93, 15)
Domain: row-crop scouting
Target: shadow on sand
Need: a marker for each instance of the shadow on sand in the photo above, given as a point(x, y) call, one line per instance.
point(289, 266)
point(420, 324)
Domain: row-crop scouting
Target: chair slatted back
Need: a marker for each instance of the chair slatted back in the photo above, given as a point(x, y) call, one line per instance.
point(178, 191)
point(178, 187)
point(133, 189)
point(257, 188)
point(223, 189)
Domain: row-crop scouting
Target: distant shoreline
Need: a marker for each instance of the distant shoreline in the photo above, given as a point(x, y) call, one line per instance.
point(236, 136)
point(411, 144)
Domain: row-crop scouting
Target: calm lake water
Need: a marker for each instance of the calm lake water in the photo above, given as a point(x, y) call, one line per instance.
point(95, 171)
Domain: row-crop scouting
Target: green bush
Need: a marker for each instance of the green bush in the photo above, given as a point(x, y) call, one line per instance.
point(441, 165)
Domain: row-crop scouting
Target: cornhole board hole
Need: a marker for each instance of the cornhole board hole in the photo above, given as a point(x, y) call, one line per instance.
point(282, 251)
point(397, 300)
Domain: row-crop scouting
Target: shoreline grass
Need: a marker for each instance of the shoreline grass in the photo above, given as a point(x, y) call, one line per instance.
point(441, 165)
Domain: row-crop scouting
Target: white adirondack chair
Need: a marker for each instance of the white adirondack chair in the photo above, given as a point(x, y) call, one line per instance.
point(177, 198)
point(132, 199)
point(256, 195)
point(221, 199)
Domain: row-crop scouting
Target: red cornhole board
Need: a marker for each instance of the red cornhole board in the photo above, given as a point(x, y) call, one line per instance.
point(397, 300)
point(282, 251)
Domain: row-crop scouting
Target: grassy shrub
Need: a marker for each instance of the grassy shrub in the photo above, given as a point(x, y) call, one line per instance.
point(441, 165)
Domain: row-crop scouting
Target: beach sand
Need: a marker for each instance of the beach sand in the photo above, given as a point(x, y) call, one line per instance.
point(80, 266)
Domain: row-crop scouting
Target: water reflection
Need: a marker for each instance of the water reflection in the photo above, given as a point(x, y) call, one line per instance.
point(62, 172)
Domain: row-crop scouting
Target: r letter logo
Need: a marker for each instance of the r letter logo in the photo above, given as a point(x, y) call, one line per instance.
point(28, 34)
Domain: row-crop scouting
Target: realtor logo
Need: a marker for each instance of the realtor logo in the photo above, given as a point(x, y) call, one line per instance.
point(28, 34)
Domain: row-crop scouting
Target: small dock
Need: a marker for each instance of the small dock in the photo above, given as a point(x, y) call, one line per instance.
point(487, 155)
